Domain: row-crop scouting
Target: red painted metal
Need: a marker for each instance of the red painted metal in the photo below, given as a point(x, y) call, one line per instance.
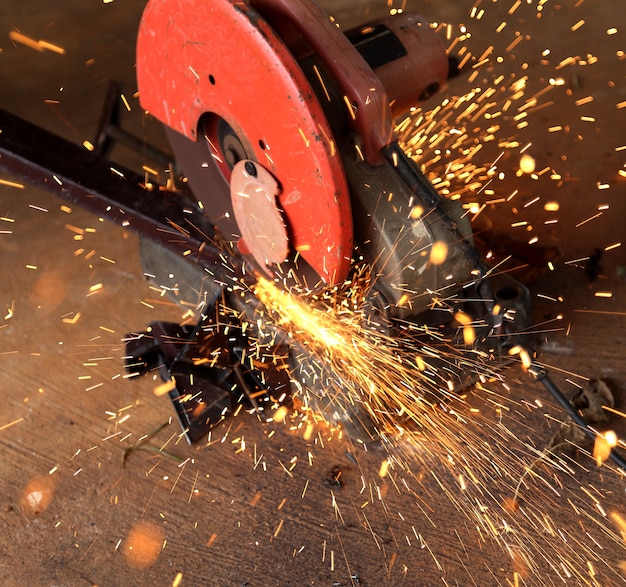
point(368, 109)
point(422, 71)
point(220, 56)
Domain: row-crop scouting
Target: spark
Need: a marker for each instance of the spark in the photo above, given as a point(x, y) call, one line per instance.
point(585, 100)
point(5, 426)
point(589, 219)
point(143, 544)
point(11, 184)
point(438, 253)
point(165, 388)
point(40, 45)
point(73, 320)
point(278, 528)
point(603, 445)
point(350, 107)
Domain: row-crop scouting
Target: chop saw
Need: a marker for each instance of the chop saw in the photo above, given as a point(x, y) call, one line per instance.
point(283, 125)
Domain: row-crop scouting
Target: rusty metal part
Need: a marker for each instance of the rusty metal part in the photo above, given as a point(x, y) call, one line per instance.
point(539, 373)
point(208, 370)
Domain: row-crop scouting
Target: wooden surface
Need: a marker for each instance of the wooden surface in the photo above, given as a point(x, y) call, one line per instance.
point(258, 504)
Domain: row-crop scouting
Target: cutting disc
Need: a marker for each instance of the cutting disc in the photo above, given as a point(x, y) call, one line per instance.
point(219, 76)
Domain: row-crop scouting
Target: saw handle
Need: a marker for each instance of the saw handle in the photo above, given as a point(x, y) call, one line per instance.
point(364, 93)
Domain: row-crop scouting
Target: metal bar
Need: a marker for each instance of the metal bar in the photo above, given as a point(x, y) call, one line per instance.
point(40, 158)
point(110, 131)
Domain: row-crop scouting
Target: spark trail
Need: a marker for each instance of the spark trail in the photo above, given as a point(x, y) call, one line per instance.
point(502, 483)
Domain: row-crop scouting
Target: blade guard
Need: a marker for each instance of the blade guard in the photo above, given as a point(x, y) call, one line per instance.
point(221, 57)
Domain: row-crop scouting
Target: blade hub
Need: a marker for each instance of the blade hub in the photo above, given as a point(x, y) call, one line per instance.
point(254, 193)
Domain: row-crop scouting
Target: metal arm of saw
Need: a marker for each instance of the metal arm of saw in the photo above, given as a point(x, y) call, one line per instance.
point(364, 93)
